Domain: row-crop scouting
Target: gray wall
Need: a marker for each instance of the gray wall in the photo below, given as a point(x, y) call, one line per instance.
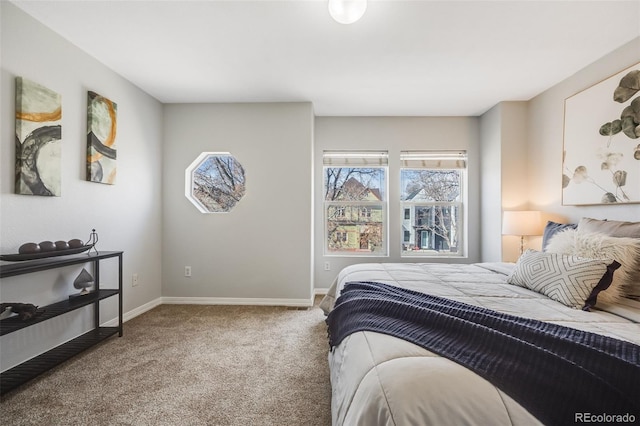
point(126, 215)
point(504, 177)
point(491, 184)
point(262, 249)
point(395, 134)
point(545, 136)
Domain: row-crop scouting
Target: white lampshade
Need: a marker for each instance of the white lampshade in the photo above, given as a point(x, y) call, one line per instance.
point(525, 222)
point(347, 11)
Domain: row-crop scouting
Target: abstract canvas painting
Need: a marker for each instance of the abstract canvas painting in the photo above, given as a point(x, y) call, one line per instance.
point(101, 139)
point(601, 163)
point(38, 139)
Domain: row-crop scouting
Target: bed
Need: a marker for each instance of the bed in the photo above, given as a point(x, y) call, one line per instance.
point(379, 378)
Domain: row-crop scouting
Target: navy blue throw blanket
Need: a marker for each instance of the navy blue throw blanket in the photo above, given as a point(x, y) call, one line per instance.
point(554, 372)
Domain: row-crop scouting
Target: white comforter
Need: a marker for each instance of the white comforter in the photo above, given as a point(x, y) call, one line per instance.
point(382, 380)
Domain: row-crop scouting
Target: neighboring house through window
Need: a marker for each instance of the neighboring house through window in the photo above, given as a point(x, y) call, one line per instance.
point(432, 196)
point(355, 202)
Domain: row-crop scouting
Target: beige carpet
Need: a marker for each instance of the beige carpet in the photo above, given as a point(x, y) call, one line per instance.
point(190, 365)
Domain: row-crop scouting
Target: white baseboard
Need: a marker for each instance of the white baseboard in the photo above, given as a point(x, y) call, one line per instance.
point(304, 303)
point(236, 301)
point(320, 291)
point(135, 312)
point(141, 309)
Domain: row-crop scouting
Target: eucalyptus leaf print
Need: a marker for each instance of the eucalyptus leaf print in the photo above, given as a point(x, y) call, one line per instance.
point(620, 178)
point(629, 122)
point(628, 87)
point(608, 198)
point(611, 128)
point(601, 154)
point(580, 174)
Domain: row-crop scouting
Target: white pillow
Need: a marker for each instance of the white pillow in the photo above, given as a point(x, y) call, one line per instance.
point(595, 245)
point(571, 280)
point(612, 228)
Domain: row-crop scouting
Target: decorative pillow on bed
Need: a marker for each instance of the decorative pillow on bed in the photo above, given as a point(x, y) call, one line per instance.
point(612, 228)
point(551, 229)
point(571, 280)
point(594, 245)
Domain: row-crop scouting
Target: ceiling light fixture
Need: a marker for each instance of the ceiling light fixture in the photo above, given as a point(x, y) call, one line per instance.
point(347, 11)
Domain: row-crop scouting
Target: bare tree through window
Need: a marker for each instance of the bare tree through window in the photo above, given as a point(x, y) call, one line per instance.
point(217, 182)
point(434, 198)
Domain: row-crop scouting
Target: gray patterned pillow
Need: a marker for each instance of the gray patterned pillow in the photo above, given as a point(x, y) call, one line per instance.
point(571, 280)
point(594, 245)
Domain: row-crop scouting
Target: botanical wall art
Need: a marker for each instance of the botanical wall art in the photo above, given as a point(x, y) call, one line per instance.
point(101, 139)
point(38, 139)
point(601, 163)
point(215, 182)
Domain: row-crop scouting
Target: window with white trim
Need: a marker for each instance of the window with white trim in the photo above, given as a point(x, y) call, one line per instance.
point(355, 203)
point(433, 186)
point(214, 182)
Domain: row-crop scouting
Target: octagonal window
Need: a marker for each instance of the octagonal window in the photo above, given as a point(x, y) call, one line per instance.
point(214, 182)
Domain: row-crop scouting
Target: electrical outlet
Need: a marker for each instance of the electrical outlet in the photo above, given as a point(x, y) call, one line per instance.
point(327, 266)
point(135, 280)
point(187, 271)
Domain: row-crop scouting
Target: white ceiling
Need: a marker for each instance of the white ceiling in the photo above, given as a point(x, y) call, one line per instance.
point(406, 58)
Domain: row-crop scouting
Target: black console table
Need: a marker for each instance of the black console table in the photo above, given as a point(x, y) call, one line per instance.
point(31, 368)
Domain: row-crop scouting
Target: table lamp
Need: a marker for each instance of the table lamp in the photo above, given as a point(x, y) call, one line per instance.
point(522, 223)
